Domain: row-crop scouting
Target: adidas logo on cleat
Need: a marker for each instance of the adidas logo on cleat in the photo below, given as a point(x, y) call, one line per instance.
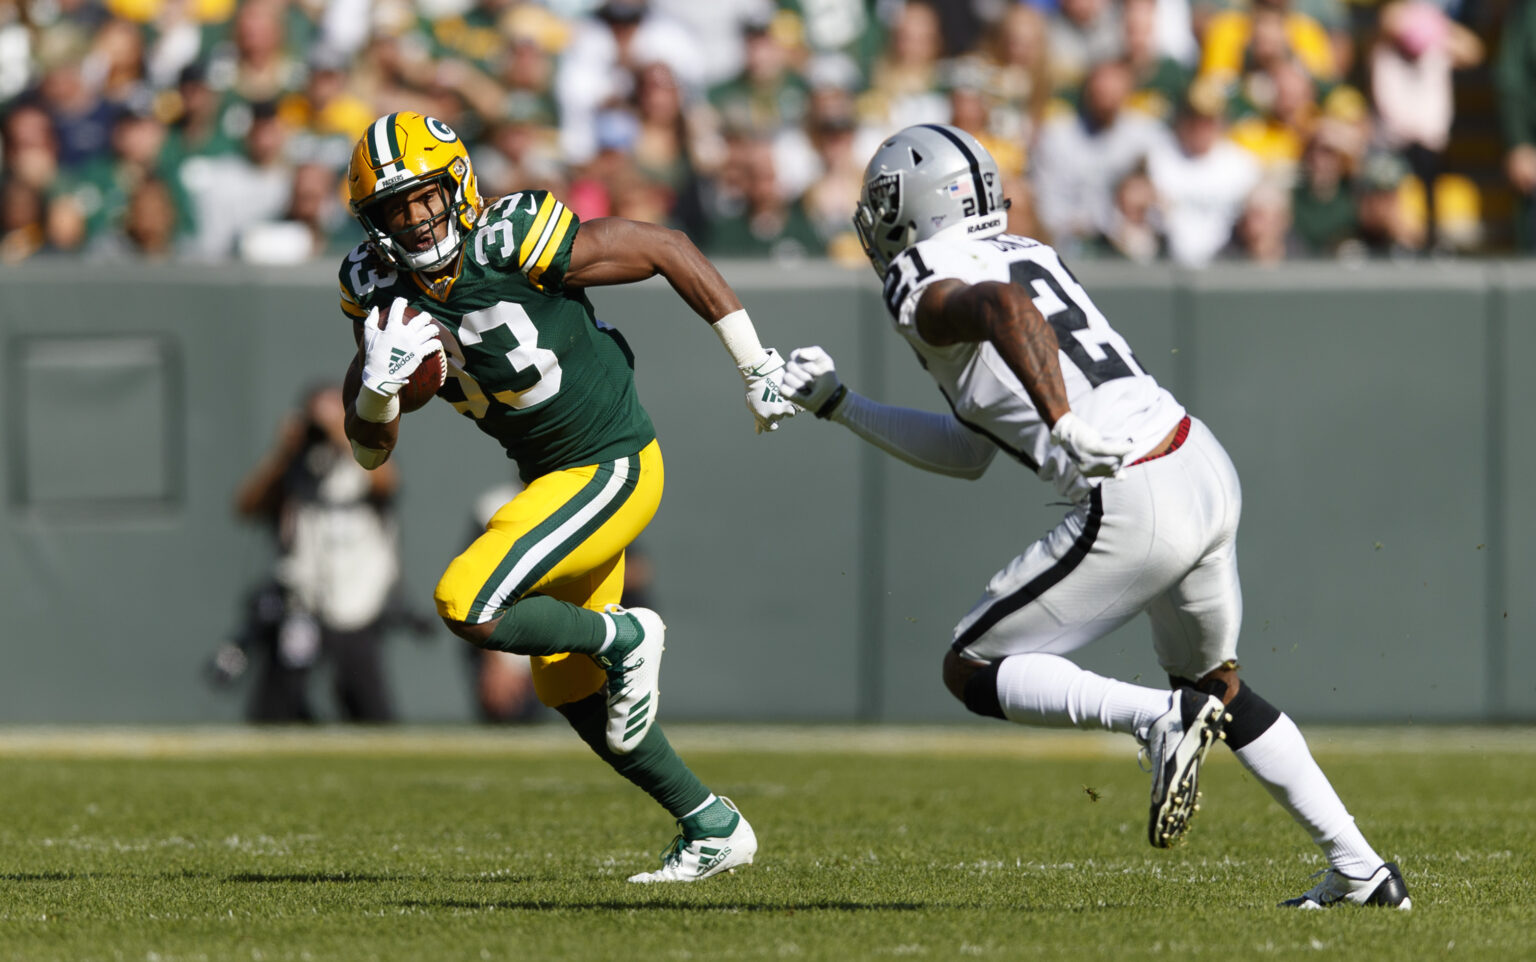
point(637, 716)
point(633, 693)
point(710, 857)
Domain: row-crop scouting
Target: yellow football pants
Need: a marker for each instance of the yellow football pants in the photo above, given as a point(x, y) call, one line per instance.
point(564, 536)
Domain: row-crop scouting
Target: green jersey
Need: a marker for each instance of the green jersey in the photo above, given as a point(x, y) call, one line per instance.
point(528, 360)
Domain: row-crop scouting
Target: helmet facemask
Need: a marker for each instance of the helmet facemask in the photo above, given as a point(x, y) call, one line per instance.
point(877, 221)
point(447, 207)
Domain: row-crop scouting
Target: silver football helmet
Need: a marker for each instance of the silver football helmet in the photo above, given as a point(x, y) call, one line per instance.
point(930, 180)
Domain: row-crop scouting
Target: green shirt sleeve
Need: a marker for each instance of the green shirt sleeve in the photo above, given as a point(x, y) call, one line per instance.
point(1513, 74)
point(531, 232)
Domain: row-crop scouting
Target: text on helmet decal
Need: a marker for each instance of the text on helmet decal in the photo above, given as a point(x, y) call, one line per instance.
point(994, 222)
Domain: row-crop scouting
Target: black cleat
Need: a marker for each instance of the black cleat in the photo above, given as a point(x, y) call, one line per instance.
point(1175, 745)
point(1384, 888)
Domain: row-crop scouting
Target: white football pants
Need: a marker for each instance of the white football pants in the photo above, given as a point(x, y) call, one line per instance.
point(1162, 538)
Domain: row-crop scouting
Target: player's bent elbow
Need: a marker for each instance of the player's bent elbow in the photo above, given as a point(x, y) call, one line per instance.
point(974, 465)
point(670, 249)
point(675, 237)
point(971, 472)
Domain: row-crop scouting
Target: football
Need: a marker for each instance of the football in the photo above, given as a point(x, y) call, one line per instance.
point(428, 377)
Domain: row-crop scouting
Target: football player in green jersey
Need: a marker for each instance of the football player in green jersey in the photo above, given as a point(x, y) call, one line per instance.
point(505, 281)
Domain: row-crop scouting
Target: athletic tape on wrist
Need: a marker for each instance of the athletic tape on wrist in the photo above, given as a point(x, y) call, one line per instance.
point(373, 406)
point(736, 332)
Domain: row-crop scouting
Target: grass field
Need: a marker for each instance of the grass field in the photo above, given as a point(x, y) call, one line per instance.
point(886, 843)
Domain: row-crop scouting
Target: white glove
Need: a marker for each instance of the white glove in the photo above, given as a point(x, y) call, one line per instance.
point(765, 398)
point(391, 354)
point(1095, 456)
point(810, 380)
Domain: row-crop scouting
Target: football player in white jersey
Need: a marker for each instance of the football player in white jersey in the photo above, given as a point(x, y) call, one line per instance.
point(1030, 367)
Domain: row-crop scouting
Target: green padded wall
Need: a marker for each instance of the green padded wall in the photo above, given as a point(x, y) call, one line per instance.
point(1378, 418)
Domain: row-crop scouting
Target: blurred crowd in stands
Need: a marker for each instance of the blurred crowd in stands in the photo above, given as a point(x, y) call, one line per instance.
point(1190, 131)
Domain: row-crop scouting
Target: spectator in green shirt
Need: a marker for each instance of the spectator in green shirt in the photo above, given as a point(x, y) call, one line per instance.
point(1515, 78)
point(765, 223)
point(1322, 203)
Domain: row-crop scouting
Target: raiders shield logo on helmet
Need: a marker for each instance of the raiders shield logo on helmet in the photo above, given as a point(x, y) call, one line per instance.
point(885, 193)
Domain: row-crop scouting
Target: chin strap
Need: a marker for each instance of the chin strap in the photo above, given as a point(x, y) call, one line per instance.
point(444, 250)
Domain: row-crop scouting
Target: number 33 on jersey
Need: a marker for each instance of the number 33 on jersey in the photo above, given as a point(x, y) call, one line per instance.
point(527, 359)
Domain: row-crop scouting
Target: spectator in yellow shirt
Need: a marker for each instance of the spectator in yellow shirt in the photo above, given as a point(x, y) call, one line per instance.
point(1240, 41)
point(1278, 132)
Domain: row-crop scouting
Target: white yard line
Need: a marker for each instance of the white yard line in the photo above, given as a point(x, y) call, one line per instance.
point(999, 741)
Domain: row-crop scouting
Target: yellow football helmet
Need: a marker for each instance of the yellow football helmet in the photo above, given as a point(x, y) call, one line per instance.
point(402, 151)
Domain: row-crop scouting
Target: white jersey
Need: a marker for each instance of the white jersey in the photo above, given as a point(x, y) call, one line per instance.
point(1105, 385)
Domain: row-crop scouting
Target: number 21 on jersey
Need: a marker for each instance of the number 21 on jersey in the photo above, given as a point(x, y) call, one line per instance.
point(1083, 335)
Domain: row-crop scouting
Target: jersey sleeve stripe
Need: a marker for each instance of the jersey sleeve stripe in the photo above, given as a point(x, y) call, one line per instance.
point(348, 299)
point(553, 245)
point(545, 231)
point(541, 221)
point(352, 310)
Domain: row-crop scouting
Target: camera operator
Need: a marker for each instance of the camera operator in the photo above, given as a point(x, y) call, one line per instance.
point(329, 594)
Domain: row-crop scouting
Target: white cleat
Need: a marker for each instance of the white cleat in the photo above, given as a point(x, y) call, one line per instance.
point(1175, 745)
point(633, 682)
point(686, 861)
point(1384, 887)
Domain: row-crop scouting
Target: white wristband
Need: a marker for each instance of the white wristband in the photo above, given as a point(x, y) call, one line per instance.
point(740, 339)
point(373, 406)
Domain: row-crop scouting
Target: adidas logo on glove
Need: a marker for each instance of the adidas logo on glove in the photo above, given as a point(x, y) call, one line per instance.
point(398, 359)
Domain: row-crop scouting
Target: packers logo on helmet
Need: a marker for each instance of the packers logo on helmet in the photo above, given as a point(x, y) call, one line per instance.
point(404, 164)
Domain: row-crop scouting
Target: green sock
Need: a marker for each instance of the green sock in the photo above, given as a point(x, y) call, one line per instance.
point(653, 765)
point(717, 820)
point(541, 625)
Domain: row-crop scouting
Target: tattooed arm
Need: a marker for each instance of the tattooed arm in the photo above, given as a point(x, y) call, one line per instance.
point(951, 312)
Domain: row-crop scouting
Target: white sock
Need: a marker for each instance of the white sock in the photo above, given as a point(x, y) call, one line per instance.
point(610, 632)
point(1282, 763)
point(1049, 690)
point(702, 805)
